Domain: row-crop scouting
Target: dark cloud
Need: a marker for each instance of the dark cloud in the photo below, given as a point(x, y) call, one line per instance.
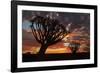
point(77, 20)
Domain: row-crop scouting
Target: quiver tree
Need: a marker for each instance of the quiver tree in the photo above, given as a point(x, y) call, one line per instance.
point(47, 32)
point(74, 46)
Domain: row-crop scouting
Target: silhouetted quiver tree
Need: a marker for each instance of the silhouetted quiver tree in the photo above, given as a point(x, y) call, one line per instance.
point(47, 32)
point(74, 47)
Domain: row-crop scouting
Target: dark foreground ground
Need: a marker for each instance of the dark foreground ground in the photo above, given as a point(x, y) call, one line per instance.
point(53, 57)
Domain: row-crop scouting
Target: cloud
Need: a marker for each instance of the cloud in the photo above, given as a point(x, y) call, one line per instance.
point(27, 35)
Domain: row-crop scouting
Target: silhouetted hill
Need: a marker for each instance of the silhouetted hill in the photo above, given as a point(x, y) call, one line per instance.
point(52, 57)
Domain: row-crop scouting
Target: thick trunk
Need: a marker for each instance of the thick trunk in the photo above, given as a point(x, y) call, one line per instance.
point(74, 50)
point(42, 50)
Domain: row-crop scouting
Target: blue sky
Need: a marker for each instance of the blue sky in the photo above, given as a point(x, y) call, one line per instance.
point(26, 25)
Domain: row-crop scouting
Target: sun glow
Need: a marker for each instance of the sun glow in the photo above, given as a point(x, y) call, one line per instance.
point(35, 50)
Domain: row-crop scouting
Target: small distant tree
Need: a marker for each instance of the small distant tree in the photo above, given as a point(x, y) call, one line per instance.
point(74, 47)
point(47, 32)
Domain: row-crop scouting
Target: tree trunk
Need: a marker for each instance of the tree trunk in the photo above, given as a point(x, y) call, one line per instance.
point(74, 52)
point(42, 50)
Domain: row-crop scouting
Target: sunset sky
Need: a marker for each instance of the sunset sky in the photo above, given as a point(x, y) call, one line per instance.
point(79, 25)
